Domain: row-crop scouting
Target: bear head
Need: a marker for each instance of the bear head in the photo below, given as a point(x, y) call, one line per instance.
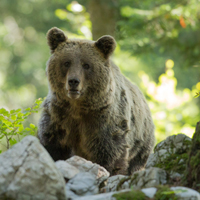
point(79, 70)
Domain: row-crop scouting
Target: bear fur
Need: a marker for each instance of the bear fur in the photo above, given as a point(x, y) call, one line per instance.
point(91, 109)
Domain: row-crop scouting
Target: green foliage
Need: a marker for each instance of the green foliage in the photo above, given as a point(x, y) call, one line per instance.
point(11, 124)
point(132, 195)
point(165, 193)
point(164, 27)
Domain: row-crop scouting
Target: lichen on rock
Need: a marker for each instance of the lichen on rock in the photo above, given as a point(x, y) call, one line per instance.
point(171, 154)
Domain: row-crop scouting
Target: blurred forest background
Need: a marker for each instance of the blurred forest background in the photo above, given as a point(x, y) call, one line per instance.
point(158, 49)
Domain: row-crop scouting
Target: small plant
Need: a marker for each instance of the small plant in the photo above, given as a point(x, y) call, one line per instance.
point(12, 129)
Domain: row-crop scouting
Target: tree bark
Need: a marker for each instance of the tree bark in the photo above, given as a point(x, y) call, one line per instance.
point(193, 165)
point(103, 15)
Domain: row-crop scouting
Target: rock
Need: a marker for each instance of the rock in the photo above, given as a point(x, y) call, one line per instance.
point(28, 172)
point(149, 192)
point(185, 193)
point(106, 196)
point(152, 160)
point(174, 176)
point(113, 182)
point(174, 144)
point(83, 165)
point(171, 154)
point(68, 171)
point(143, 179)
point(182, 193)
point(83, 184)
point(148, 178)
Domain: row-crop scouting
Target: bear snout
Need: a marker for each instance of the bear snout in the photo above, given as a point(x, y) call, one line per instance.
point(74, 88)
point(73, 83)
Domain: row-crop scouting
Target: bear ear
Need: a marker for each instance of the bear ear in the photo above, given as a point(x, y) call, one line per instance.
point(54, 37)
point(106, 44)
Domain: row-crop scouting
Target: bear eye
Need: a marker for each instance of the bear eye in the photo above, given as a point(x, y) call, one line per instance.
point(86, 66)
point(124, 125)
point(67, 64)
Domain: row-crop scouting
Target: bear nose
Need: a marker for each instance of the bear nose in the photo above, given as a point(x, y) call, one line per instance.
point(73, 82)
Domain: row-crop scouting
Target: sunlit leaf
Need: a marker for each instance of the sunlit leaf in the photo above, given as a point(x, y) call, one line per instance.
point(21, 128)
point(12, 141)
point(32, 126)
point(4, 112)
point(13, 117)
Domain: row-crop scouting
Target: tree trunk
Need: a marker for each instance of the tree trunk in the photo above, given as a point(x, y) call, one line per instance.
point(193, 165)
point(103, 15)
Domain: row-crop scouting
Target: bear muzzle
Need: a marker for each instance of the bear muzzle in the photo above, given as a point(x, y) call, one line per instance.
point(73, 88)
point(73, 83)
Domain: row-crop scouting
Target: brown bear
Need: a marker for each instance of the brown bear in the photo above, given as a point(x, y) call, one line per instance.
point(91, 109)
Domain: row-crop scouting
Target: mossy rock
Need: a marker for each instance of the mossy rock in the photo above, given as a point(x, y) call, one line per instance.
point(174, 163)
point(176, 158)
point(131, 195)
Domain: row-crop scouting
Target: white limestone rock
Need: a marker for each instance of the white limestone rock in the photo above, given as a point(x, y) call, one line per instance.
point(149, 192)
point(175, 144)
point(68, 171)
point(185, 193)
point(100, 173)
point(113, 181)
point(83, 184)
point(28, 172)
point(149, 178)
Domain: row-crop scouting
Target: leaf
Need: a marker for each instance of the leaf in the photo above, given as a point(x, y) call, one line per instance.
point(32, 126)
point(21, 128)
point(12, 141)
point(18, 110)
point(13, 117)
point(12, 111)
point(1, 136)
point(4, 112)
point(8, 123)
point(27, 129)
point(1, 118)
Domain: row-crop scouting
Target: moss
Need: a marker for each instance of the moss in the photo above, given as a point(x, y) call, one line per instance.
point(165, 193)
point(187, 142)
point(122, 182)
point(172, 163)
point(134, 177)
point(4, 197)
point(195, 160)
point(131, 195)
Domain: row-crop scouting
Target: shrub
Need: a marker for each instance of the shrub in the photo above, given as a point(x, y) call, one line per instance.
point(12, 128)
